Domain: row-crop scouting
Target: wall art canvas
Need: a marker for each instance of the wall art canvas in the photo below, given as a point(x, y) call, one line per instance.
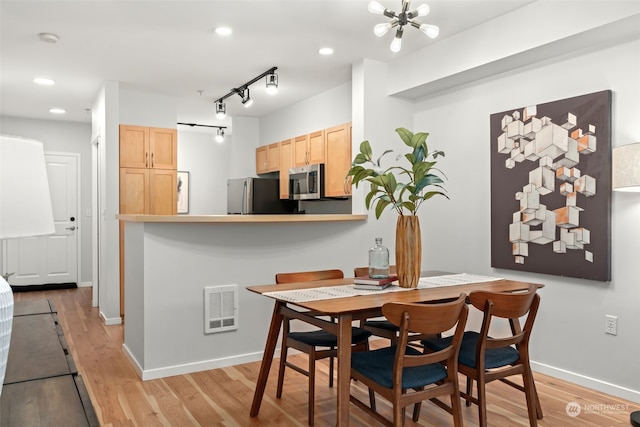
point(551, 187)
point(183, 192)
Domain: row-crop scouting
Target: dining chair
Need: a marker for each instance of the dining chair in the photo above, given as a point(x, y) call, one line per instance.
point(382, 327)
point(404, 375)
point(379, 327)
point(484, 358)
point(317, 344)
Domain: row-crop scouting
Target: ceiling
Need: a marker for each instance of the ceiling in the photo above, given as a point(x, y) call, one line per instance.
point(170, 48)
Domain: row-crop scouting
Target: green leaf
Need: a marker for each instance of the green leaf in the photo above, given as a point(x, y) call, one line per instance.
point(382, 155)
point(360, 158)
point(380, 207)
point(406, 135)
point(419, 140)
point(365, 150)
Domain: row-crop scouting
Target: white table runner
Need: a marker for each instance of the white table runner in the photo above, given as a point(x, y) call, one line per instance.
point(317, 294)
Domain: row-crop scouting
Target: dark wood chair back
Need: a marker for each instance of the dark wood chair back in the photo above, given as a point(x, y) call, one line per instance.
point(510, 306)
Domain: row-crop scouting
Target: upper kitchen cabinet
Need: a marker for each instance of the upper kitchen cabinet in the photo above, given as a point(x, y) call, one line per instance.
point(338, 161)
point(151, 148)
point(261, 159)
point(309, 149)
point(268, 158)
point(286, 162)
point(273, 157)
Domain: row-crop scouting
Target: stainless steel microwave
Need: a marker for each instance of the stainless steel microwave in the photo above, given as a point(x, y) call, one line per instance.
point(306, 182)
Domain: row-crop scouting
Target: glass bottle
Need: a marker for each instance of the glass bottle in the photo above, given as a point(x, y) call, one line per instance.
point(378, 260)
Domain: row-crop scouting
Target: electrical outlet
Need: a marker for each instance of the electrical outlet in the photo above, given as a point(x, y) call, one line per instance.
point(611, 325)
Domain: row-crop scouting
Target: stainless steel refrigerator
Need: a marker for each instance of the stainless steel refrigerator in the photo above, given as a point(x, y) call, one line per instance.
point(248, 196)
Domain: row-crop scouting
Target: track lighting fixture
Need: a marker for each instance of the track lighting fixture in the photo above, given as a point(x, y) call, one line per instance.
point(219, 132)
point(401, 19)
point(272, 83)
point(243, 91)
point(221, 110)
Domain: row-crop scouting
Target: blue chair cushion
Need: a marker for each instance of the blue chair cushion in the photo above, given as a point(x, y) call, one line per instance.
point(322, 338)
point(493, 358)
point(378, 366)
point(382, 324)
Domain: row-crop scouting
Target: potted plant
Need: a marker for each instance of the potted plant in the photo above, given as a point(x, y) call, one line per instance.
point(402, 189)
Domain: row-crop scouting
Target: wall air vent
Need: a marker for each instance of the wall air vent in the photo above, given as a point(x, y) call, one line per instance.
point(220, 308)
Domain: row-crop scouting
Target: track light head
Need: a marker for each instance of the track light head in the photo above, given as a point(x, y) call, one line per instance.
point(221, 110)
point(246, 97)
point(272, 83)
point(220, 135)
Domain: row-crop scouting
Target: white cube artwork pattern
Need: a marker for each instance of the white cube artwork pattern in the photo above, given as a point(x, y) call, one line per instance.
point(557, 149)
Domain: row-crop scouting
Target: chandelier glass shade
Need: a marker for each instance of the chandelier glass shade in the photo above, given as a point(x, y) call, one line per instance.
point(399, 20)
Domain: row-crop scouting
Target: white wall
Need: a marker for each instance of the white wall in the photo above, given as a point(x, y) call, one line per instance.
point(327, 109)
point(569, 339)
point(207, 163)
point(64, 137)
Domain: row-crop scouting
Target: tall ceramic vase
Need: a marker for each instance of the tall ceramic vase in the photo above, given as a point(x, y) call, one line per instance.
point(408, 250)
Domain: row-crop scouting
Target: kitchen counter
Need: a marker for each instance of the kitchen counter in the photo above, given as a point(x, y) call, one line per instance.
point(241, 218)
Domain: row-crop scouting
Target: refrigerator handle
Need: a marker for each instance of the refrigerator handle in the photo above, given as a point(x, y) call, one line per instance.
point(245, 196)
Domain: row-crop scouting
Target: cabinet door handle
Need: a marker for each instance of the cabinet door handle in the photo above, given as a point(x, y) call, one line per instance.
point(152, 160)
point(146, 160)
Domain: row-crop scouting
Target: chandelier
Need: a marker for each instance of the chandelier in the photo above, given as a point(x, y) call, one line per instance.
point(401, 19)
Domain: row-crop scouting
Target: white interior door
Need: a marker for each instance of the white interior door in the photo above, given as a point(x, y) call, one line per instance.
point(50, 259)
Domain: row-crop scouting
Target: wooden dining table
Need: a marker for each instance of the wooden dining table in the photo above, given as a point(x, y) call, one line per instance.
point(346, 310)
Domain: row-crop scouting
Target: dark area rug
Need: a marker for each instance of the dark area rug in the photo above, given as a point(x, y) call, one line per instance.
point(45, 287)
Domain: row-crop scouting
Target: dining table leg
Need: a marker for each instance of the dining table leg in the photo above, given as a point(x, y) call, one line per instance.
point(267, 358)
point(344, 368)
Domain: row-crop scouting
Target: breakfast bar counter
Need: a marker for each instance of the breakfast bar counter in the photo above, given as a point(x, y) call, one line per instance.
point(241, 218)
point(173, 263)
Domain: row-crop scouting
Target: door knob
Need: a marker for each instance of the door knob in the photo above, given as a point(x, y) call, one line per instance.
point(73, 227)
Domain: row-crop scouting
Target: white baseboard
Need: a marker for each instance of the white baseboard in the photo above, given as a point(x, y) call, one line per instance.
point(110, 321)
point(132, 360)
point(85, 284)
point(189, 368)
point(592, 383)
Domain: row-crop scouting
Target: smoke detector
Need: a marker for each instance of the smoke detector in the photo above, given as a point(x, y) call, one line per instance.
point(48, 37)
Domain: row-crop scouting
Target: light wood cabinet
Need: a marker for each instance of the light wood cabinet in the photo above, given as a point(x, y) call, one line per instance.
point(148, 177)
point(338, 161)
point(144, 147)
point(261, 159)
point(286, 162)
point(309, 149)
point(300, 144)
point(316, 148)
point(268, 158)
point(273, 157)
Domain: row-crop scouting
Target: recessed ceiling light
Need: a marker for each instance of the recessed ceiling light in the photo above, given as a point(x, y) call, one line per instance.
point(57, 110)
point(45, 81)
point(223, 31)
point(325, 51)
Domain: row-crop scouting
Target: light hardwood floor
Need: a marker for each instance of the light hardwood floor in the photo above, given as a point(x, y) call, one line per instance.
point(222, 397)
